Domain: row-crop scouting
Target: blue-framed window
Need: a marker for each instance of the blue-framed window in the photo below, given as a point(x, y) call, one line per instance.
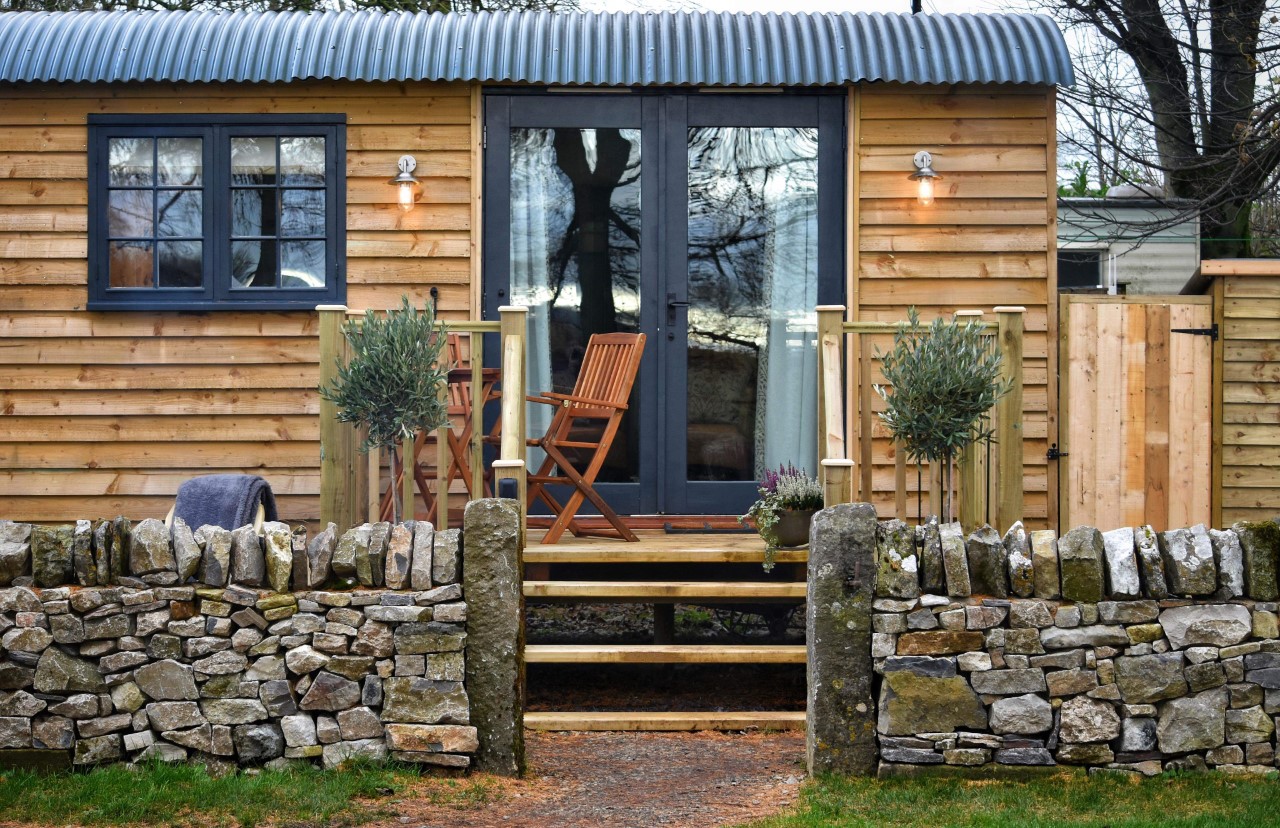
point(216, 212)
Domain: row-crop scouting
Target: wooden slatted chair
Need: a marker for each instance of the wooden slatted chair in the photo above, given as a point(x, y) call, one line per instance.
point(608, 372)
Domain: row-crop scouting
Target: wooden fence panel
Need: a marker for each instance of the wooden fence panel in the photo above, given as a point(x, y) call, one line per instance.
point(1135, 411)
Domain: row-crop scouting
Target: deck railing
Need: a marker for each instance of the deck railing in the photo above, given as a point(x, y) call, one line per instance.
point(989, 490)
point(350, 487)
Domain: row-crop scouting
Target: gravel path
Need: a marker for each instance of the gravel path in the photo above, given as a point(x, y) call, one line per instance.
point(636, 780)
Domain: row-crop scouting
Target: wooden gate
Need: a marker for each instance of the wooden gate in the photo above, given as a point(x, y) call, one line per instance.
point(1135, 411)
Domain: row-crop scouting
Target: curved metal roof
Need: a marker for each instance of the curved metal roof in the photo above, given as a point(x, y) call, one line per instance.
point(588, 48)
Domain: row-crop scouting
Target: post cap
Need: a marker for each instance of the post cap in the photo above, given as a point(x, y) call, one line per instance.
point(508, 464)
point(840, 308)
point(836, 462)
point(342, 308)
point(1010, 309)
point(513, 309)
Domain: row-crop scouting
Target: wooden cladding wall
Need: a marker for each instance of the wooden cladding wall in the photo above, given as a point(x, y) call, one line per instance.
point(1246, 390)
point(107, 413)
point(987, 240)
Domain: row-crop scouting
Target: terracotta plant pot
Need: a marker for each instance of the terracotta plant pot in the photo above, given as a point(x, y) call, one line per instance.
point(792, 528)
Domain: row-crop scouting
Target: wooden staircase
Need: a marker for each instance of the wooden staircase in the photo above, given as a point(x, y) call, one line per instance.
point(664, 569)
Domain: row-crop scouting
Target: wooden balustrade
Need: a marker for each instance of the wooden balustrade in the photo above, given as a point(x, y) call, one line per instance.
point(350, 488)
point(987, 492)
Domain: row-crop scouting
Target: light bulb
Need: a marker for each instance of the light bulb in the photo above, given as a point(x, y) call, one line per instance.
point(925, 193)
point(406, 196)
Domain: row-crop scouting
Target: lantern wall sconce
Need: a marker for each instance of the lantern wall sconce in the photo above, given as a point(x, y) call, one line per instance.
point(925, 175)
point(406, 182)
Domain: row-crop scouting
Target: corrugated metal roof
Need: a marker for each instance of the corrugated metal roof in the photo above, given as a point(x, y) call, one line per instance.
point(589, 48)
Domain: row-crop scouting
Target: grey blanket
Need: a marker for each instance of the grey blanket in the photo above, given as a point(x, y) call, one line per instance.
point(226, 500)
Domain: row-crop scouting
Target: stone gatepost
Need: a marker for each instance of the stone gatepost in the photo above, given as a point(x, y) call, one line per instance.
point(841, 723)
point(492, 581)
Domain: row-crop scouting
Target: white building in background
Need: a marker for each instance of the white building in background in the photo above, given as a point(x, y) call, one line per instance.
point(1108, 244)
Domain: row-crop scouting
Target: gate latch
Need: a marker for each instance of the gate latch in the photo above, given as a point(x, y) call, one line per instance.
point(1053, 453)
point(1211, 332)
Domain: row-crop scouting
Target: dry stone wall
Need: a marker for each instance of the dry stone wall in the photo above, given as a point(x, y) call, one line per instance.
point(1129, 650)
point(122, 642)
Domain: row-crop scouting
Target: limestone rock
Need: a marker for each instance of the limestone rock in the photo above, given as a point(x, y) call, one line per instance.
point(1218, 625)
point(1260, 545)
point(1044, 563)
point(1229, 557)
point(446, 557)
point(51, 548)
point(305, 659)
point(1188, 561)
point(20, 703)
point(1088, 720)
point(1026, 714)
point(215, 561)
point(257, 743)
point(186, 551)
point(1150, 562)
point(1017, 548)
point(420, 566)
point(955, 560)
point(233, 711)
point(359, 723)
point(1080, 556)
point(897, 567)
point(98, 750)
point(367, 750)
point(1009, 682)
point(911, 704)
point(1138, 735)
point(103, 542)
point(1193, 722)
point(167, 680)
point(198, 738)
point(417, 700)
point(432, 738)
point(331, 692)
point(398, 558)
point(319, 555)
point(988, 563)
point(1122, 563)
point(933, 576)
point(117, 563)
point(1150, 678)
point(277, 554)
point(15, 550)
point(1249, 726)
point(1058, 638)
point(58, 672)
point(150, 549)
point(299, 730)
point(353, 543)
point(371, 559)
point(83, 564)
point(54, 732)
point(248, 565)
point(174, 715)
point(298, 553)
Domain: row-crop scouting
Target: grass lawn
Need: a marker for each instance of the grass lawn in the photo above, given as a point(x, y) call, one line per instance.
point(182, 795)
point(1171, 801)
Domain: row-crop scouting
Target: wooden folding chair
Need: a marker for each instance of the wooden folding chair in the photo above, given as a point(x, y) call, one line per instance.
point(608, 372)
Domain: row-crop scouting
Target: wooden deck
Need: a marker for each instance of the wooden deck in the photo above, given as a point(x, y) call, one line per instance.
point(657, 547)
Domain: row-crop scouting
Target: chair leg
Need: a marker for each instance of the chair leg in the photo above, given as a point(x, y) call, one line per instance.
point(584, 488)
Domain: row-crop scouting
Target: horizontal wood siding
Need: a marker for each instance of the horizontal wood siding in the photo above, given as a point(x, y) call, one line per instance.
point(987, 240)
point(107, 413)
point(1249, 313)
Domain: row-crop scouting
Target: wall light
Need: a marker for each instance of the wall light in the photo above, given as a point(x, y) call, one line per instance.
point(406, 182)
point(925, 175)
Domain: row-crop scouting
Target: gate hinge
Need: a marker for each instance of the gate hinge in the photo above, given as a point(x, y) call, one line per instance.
point(1211, 332)
point(1053, 453)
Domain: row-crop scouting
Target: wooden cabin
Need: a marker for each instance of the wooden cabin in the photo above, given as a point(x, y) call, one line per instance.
point(180, 190)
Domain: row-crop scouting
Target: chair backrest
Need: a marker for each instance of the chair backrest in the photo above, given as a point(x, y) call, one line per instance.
point(609, 367)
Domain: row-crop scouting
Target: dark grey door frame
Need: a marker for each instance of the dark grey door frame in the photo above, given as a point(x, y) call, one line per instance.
point(664, 118)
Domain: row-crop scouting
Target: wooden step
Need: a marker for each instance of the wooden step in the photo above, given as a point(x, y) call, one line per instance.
point(645, 553)
point(665, 654)
point(649, 591)
point(768, 720)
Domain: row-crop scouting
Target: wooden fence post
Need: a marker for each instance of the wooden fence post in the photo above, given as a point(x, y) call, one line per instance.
point(831, 442)
point(837, 482)
point(337, 440)
point(1009, 437)
point(973, 489)
point(512, 463)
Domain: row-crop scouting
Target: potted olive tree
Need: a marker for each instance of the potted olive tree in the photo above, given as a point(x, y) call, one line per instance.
point(391, 385)
point(941, 380)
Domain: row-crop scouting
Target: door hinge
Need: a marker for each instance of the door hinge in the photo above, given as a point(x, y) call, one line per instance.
point(1053, 453)
point(484, 137)
point(1211, 332)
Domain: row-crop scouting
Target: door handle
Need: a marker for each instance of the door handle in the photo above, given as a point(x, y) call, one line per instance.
point(673, 304)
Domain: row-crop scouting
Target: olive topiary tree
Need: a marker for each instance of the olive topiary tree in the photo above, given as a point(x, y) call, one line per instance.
point(391, 383)
point(940, 382)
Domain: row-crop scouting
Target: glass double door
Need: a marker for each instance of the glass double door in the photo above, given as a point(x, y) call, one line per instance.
point(711, 223)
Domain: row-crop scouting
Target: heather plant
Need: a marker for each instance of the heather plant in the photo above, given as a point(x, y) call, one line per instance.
point(940, 381)
point(391, 384)
point(784, 490)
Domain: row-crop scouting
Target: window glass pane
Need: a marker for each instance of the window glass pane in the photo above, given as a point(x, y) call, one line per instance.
point(302, 264)
point(130, 162)
point(129, 214)
point(253, 264)
point(180, 213)
point(131, 264)
point(253, 160)
point(302, 213)
point(181, 161)
point(302, 160)
point(253, 212)
point(181, 264)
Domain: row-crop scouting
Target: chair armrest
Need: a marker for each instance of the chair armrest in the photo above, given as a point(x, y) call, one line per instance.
point(563, 398)
point(542, 400)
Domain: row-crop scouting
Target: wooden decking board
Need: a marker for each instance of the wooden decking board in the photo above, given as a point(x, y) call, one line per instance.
point(659, 547)
point(657, 590)
point(646, 721)
point(665, 654)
